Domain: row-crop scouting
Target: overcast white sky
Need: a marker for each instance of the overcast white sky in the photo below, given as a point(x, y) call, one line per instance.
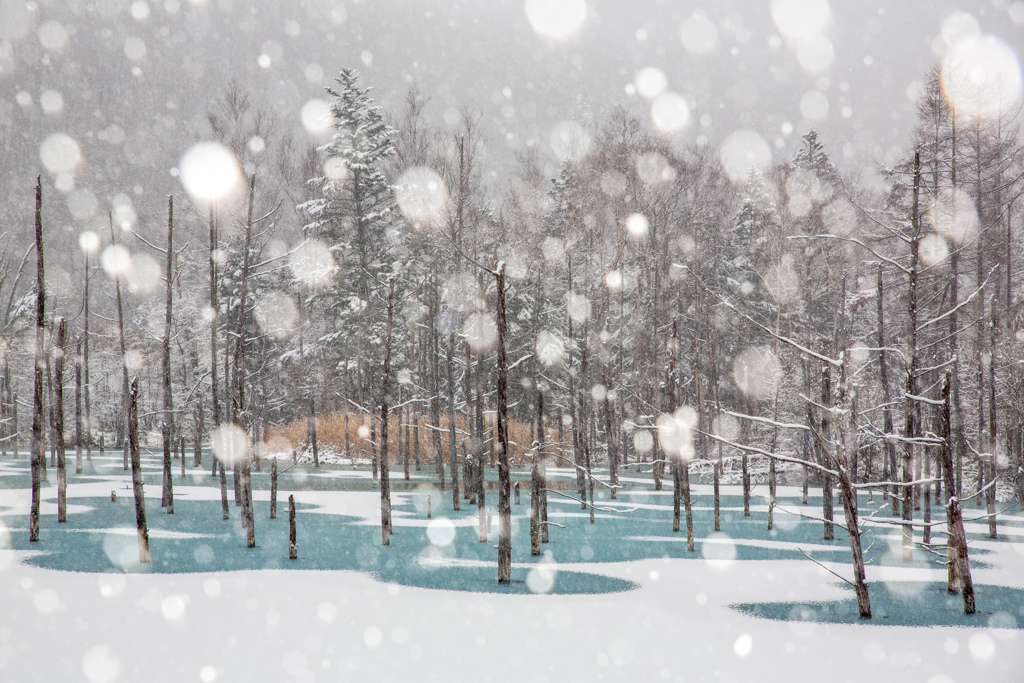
point(150, 69)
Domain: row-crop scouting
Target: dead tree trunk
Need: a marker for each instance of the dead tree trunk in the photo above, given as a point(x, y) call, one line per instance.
point(78, 408)
point(958, 567)
point(827, 502)
point(744, 462)
point(478, 455)
point(504, 509)
point(197, 436)
point(543, 467)
point(214, 321)
point(990, 496)
point(122, 418)
point(535, 499)
point(909, 411)
point(244, 468)
point(85, 364)
point(883, 376)
point(453, 457)
point(38, 447)
point(224, 504)
point(684, 467)
point(717, 473)
point(273, 488)
point(293, 543)
point(167, 493)
point(248, 518)
point(610, 432)
point(140, 494)
point(385, 476)
point(58, 420)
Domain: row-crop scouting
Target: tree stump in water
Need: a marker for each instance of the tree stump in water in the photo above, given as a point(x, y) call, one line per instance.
point(293, 546)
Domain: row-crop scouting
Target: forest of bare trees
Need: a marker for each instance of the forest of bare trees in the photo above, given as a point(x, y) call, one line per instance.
point(645, 311)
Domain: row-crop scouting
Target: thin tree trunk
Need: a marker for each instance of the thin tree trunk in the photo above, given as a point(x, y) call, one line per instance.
point(78, 408)
point(453, 457)
point(197, 437)
point(610, 433)
point(273, 488)
point(435, 388)
point(958, 567)
point(543, 467)
point(140, 495)
point(990, 497)
point(385, 475)
point(124, 362)
point(827, 501)
point(504, 509)
point(243, 484)
point(167, 494)
point(883, 375)
point(478, 455)
point(535, 499)
point(293, 543)
point(744, 460)
point(909, 412)
point(85, 364)
point(214, 322)
point(717, 471)
point(224, 504)
point(38, 447)
point(58, 420)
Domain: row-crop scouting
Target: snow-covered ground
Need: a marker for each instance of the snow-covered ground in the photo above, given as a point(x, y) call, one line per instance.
point(679, 623)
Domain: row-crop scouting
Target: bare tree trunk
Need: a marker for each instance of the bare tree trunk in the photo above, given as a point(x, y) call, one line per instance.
point(435, 386)
point(140, 495)
point(744, 462)
point(453, 456)
point(677, 491)
point(248, 518)
point(543, 467)
point(385, 474)
point(958, 567)
point(910, 423)
point(122, 418)
point(293, 544)
point(577, 446)
point(224, 504)
point(38, 447)
point(214, 321)
point(408, 446)
point(883, 375)
point(49, 410)
point(610, 434)
point(78, 408)
point(684, 467)
point(504, 509)
point(167, 494)
point(85, 364)
point(478, 455)
point(535, 499)
point(827, 502)
point(990, 497)
point(197, 437)
point(58, 420)
point(848, 494)
point(717, 472)
point(273, 488)
point(243, 484)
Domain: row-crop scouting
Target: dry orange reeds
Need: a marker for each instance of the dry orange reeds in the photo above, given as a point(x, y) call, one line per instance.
point(330, 433)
